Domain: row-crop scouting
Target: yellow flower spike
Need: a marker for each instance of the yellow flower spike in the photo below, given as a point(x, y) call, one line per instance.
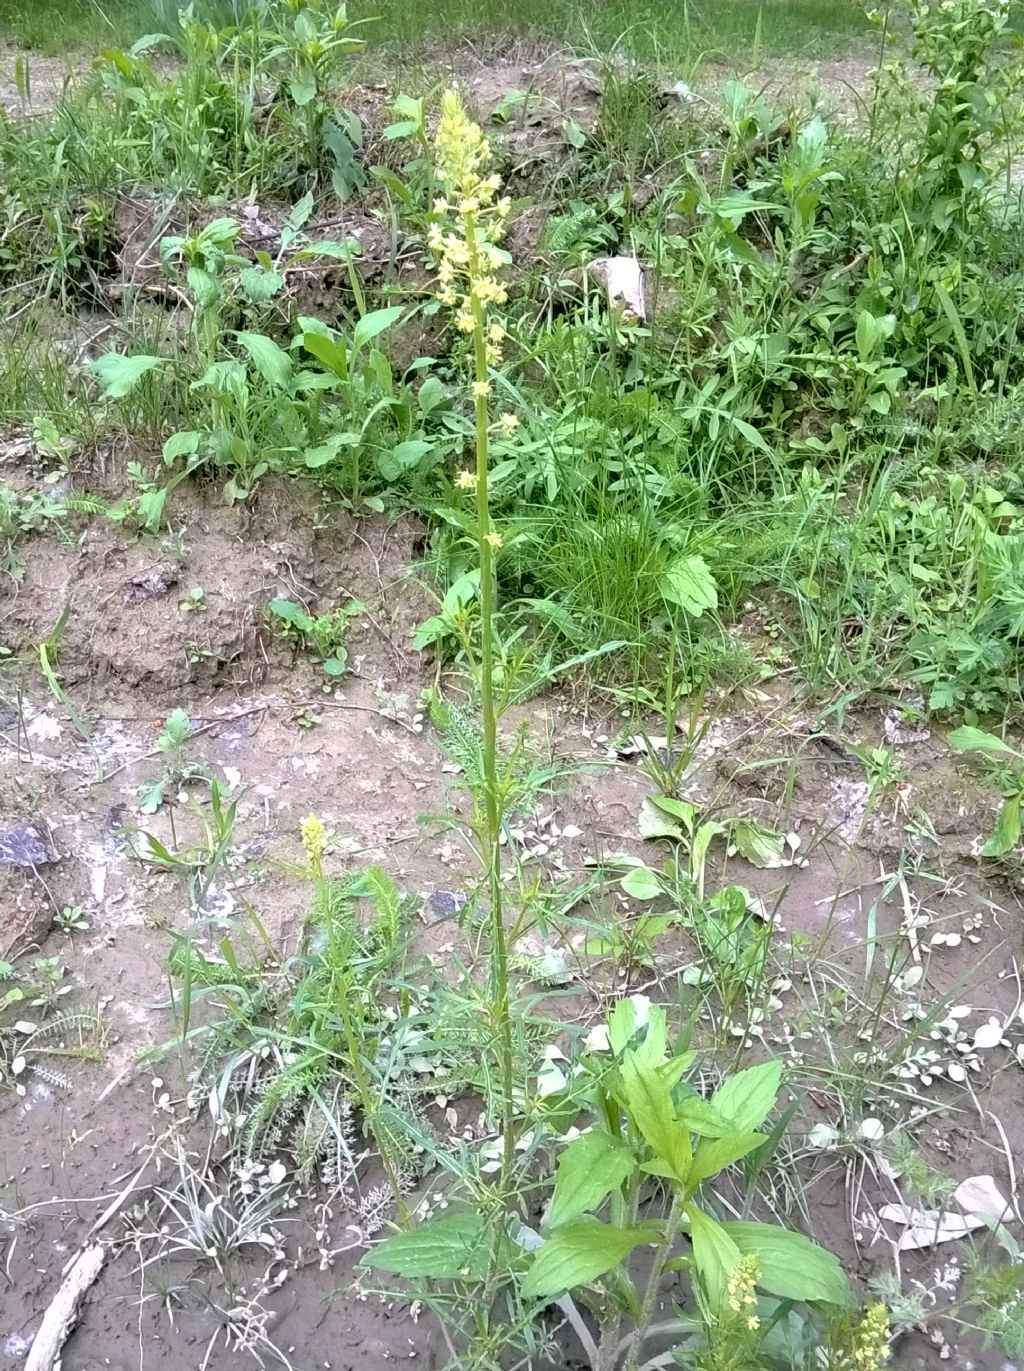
point(314, 841)
point(739, 1290)
point(461, 158)
point(871, 1340)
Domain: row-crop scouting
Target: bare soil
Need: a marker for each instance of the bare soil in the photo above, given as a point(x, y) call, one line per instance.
point(130, 652)
point(288, 742)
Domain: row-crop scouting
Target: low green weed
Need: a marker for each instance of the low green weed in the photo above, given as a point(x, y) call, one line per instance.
point(642, 1119)
point(322, 634)
point(23, 513)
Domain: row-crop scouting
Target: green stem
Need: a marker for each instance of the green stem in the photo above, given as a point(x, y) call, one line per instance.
point(492, 801)
point(657, 1271)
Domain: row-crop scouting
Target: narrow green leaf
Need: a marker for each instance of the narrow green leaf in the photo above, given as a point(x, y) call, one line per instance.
point(1007, 830)
point(649, 1100)
point(715, 1254)
point(967, 739)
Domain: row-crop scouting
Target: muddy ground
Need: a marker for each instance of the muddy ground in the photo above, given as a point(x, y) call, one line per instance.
point(359, 756)
point(135, 644)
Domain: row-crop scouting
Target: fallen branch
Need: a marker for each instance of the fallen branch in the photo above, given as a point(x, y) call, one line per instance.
point(62, 1311)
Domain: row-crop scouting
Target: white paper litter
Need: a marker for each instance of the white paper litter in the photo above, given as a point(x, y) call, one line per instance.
point(624, 279)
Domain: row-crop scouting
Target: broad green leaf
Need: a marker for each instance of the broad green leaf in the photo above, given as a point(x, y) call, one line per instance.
point(370, 325)
point(151, 508)
point(300, 213)
point(792, 1267)
point(622, 1024)
point(183, 444)
point(579, 1252)
point(713, 1154)
point(120, 375)
point(589, 1169)
point(453, 1247)
point(260, 285)
point(176, 731)
point(689, 584)
point(151, 797)
point(405, 128)
point(574, 135)
point(316, 457)
point(653, 822)
point(431, 631)
point(403, 458)
point(746, 1098)
point(967, 739)
point(302, 88)
point(715, 1254)
point(1007, 830)
point(333, 355)
point(462, 591)
point(701, 1117)
point(431, 394)
point(751, 434)
point(641, 883)
point(291, 613)
point(758, 845)
point(273, 364)
point(649, 1100)
point(204, 286)
point(338, 664)
point(679, 809)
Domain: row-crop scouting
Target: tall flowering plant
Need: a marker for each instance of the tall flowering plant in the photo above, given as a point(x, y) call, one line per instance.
point(470, 220)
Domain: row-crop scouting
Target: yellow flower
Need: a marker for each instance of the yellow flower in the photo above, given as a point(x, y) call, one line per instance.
point(495, 539)
point(464, 321)
point(739, 1290)
point(481, 390)
point(466, 480)
point(871, 1340)
point(508, 423)
point(462, 150)
point(495, 332)
point(314, 840)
